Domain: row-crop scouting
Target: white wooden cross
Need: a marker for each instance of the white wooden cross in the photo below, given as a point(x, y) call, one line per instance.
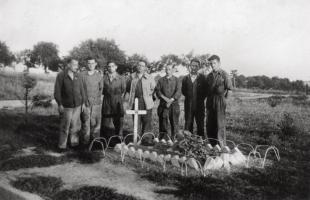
point(136, 112)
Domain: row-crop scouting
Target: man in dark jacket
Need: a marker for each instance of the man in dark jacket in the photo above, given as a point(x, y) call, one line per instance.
point(70, 97)
point(218, 86)
point(192, 89)
point(168, 90)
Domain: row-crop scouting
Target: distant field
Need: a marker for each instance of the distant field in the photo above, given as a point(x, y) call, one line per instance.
point(11, 85)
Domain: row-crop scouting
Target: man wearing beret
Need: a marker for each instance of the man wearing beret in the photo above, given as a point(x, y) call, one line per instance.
point(218, 86)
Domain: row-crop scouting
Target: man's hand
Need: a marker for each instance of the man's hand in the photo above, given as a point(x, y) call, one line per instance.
point(60, 109)
point(228, 93)
point(169, 102)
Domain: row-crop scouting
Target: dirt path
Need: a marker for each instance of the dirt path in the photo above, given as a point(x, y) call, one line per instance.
point(104, 173)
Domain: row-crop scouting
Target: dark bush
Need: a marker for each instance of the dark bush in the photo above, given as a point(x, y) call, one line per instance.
point(275, 100)
point(287, 126)
point(41, 100)
point(302, 97)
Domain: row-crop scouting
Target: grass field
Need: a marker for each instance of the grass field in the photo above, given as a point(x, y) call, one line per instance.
point(285, 125)
point(11, 86)
point(280, 121)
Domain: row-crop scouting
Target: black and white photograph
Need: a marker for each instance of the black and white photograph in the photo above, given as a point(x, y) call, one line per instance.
point(154, 100)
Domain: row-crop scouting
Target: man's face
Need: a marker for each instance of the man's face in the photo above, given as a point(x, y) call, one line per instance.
point(73, 65)
point(207, 67)
point(91, 64)
point(169, 70)
point(112, 68)
point(141, 67)
point(215, 64)
point(194, 67)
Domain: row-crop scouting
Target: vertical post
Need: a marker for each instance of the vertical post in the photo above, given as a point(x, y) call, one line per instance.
point(135, 127)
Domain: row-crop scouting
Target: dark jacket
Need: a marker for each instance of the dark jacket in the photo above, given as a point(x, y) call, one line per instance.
point(113, 92)
point(69, 93)
point(170, 88)
point(194, 102)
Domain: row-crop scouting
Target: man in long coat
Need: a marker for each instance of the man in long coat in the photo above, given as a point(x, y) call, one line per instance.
point(114, 88)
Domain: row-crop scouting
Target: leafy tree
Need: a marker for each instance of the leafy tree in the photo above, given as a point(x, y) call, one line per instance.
point(203, 58)
point(134, 59)
point(266, 82)
point(171, 58)
point(284, 84)
point(103, 50)
point(46, 54)
point(21, 55)
point(241, 81)
point(298, 85)
point(6, 56)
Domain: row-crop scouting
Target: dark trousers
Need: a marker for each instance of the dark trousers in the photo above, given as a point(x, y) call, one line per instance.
point(198, 116)
point(117, 120)
point(145, 122)
point(165, 115)
point(216, 122)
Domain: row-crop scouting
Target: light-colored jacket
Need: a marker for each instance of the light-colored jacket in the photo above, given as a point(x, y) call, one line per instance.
point(148, 87)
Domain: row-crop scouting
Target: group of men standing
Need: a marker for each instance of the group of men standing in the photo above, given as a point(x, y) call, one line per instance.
point(94, 98)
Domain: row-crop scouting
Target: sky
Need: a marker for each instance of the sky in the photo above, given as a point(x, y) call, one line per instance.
point(256, 37)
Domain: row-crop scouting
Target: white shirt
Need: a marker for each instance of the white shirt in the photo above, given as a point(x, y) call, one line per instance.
point(193, 77)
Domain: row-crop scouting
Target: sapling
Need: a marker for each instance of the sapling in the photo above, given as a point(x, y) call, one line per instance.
point(28, 83)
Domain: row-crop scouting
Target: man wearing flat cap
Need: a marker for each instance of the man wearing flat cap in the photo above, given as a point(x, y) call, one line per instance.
point(218, 86)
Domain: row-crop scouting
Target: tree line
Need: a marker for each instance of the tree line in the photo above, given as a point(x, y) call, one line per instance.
point(266, 83)
point(105, 50)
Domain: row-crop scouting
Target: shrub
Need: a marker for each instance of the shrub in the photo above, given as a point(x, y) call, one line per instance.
point(300, 100)
point(275, 100)
point(302, 97)
point(41, 100)
point(287, 126)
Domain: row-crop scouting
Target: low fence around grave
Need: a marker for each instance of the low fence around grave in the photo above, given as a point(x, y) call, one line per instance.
point(220, 158)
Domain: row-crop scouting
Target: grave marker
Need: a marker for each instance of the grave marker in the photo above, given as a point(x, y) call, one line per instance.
point(136, 112)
